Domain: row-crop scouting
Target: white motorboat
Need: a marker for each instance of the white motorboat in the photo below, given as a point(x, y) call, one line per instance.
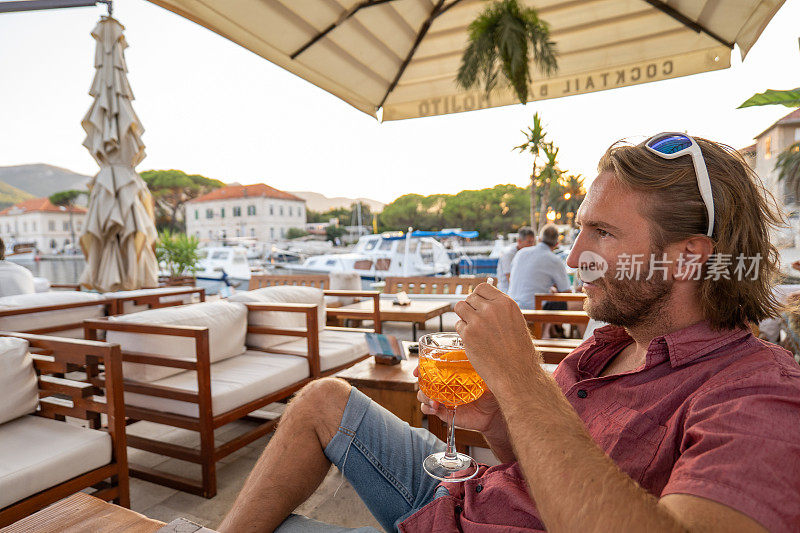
point(223, 262)
point(379, 256)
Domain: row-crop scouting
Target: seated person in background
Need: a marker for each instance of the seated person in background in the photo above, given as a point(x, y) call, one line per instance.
point(673, 418)
point(14, 279)
point(537, 270)
point(525, 238)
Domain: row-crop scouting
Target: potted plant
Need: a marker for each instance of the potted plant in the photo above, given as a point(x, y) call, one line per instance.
point(177, 255)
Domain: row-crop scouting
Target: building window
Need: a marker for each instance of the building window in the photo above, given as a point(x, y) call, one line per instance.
point(271, 230)
point(283, 233)
point(209, 213)
point(290, 210)
point(301, 211)
point(221, 212)
point(34, 226)
point(51, 225)
point(251, 210)
point(79, 226)
point(252, 232)
point(65, 225)
point(271, 209)
point(197, 234)
point(280, 210)
point(25, 226)
point(237, 211)
point(767, 147)
point(238, 232)
point(210, 235)
point(53, 243)
point(196, 214)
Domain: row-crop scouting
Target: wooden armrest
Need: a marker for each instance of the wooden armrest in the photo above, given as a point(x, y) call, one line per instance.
point(157, 360)
point(70, 286)
point(286, 307)
point(137, 327)
point(363, 294)
point(68, 387)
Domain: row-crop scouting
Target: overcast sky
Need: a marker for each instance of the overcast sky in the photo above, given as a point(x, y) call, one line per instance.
point(211, 107)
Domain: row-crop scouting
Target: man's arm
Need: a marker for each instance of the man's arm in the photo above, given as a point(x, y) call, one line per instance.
point(575, 484)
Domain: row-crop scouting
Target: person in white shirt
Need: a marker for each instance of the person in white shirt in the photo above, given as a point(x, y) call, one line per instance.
point(525, 238)
point(535, 270)
point(14, 279)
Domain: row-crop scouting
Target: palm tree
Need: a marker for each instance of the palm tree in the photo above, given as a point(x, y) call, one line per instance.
point(546, 180)
point(503, 40)
point(534, 144)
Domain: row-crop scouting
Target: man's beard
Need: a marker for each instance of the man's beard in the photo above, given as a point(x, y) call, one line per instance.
point(629, 302)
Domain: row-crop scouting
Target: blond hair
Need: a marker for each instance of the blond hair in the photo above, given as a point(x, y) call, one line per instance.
point(744, 214)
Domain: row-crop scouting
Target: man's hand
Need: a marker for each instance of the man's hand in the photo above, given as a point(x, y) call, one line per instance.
point(496, 337)
point(482, 415)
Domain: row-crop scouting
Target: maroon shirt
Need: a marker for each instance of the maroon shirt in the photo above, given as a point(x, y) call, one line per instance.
point(714, 414)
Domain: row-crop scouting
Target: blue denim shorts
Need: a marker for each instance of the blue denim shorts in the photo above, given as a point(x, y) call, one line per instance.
point(381, 456)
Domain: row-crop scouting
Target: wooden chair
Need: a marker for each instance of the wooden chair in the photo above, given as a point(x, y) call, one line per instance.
point(154, 299)
point(32, 319)
point(536, 318)
point(433, 285)
point(76, 398)
point(321, 281)
point(540, 298)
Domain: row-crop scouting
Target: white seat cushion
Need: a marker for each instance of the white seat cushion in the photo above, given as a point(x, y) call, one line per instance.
point(46, 319)
point(130, 307)
point(234, 382)
point(335, 348)
point(280, 319)
point(349, 281)
point(20, 392)
point(41, 284)
point(38, 453)
point(226, 323)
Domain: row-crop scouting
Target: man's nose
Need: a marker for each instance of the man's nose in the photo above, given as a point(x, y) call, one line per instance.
point(577, 248)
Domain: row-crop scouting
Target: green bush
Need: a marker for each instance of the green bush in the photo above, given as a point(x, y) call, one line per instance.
point(293, 233)
point(178, 252)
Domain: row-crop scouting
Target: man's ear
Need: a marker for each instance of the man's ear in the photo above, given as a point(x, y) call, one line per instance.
point(689, 256)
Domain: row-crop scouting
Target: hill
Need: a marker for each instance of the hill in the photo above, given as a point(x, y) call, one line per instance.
point(320, 203)
point(11, 195)
point(40, 179)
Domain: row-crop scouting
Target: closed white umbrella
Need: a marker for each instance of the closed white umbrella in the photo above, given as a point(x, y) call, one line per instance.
point(119, 231)
point(402, 55)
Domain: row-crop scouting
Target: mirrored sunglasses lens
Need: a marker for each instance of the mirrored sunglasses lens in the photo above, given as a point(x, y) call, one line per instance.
point(671, 144)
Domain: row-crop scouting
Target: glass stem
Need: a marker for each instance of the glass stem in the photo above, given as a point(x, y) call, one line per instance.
point(450, 452)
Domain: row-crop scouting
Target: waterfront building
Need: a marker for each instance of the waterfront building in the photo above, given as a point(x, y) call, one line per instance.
point(251, 211)
point(764, 153)
point(39, 221)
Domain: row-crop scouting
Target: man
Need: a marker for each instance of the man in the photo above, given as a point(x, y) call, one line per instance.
point(675, 418)
point(525, 238)
point(14, 279)
point(537, 270)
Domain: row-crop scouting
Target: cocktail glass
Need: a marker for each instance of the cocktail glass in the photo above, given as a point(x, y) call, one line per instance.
point(446, 375)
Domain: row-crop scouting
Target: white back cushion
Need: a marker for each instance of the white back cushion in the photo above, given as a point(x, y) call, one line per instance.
point(226, 323)
point(20, 393)
point(279, 319)
point(46, 319)
point(350, 281)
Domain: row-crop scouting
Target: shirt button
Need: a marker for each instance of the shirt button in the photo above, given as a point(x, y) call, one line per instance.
point(478, 488)
point(582, 393)
point(458, 509)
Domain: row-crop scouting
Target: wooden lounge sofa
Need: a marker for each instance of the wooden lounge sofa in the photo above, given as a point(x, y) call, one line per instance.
point(58, 313)
point(140, 300)
point(202, 366)
point(45, 458)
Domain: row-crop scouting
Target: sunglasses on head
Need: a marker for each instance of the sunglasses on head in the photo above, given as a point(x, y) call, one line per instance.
point(673, 145)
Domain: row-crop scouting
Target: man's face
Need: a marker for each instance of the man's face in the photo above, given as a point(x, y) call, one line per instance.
point(613, 229)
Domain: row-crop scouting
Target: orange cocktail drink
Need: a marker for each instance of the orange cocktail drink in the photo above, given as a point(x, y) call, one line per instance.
point(448, 377)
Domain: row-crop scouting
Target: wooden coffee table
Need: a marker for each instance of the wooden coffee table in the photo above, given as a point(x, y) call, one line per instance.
point(392, 386)
point(82, 513)
point(419, 311)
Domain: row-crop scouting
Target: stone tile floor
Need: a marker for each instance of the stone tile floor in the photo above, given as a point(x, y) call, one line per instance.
point(335, 502)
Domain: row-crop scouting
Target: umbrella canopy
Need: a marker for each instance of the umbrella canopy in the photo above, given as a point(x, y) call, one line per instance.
point(402, 56)
point(119, 230)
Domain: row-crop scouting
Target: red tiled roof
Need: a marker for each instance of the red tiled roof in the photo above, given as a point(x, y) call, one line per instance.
point(244, 191)
point(40, 204)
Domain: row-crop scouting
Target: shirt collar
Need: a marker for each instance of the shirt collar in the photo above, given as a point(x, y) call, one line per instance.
point(682, 346)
